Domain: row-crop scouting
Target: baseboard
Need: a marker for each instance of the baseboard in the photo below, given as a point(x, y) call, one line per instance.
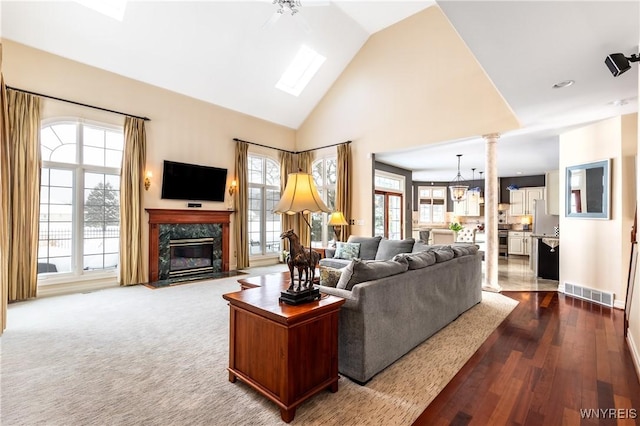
point(635, 353)
point(263, 261)
point(618, 304)
point(75, 287)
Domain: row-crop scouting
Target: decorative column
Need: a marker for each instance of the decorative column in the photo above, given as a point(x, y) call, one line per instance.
point(491, 195)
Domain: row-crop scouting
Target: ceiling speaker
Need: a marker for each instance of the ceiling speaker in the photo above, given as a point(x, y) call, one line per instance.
point(617, 63)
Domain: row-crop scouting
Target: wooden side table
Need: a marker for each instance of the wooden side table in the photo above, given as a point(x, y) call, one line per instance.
point(296, 353)
point(320, 251)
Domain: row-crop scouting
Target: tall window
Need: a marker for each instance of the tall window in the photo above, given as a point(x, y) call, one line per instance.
point(79, 197)
point(325, 176)
point(432, 205)
point(388, 210)
point(264, 194)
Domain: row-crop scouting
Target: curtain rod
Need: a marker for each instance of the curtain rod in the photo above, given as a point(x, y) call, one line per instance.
point(285, 150)
point(78, 103)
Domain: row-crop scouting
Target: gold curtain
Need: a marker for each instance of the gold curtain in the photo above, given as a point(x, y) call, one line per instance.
point(4, 200)
point(287, 165)
point(132, 268)
point(241, 206)
point(23, 189)
point(305, 161)
point(343, 186)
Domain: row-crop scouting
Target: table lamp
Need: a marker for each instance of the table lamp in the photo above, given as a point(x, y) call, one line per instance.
point(301, 196)
point(337, 220)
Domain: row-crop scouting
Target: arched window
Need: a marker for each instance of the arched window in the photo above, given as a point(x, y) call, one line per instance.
point(325, 176)
point(79, 197)
point(264, 193)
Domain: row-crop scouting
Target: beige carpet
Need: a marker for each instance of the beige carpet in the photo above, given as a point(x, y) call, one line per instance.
point(135, 356)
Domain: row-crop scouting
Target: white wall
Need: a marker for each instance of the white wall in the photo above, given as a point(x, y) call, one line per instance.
point(594, 253)
point(181, 128)
point(411, 84)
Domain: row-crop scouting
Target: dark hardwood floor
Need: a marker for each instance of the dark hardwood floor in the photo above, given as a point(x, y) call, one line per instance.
point(551, 358)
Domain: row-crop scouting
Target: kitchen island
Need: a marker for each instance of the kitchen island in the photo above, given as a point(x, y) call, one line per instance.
point(545, 256)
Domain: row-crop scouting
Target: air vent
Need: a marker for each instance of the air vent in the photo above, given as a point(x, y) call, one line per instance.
point(596, 296)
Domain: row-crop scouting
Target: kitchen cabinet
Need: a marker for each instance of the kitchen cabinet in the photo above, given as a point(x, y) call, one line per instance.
point(521, 201)
point(519, 243)
point(470, 206)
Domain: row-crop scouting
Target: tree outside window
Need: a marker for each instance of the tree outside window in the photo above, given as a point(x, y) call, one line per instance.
point(80, 197)
point(264, 193)
point(325, 176)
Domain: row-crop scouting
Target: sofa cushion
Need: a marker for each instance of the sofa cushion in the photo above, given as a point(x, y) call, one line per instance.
point(368, 246)
point(464, 249)
point(359, 271)
point(333, 262)
point(329, 276)
point(417, 260)
point(443, 254)
point(389, 248)
point(347, 250)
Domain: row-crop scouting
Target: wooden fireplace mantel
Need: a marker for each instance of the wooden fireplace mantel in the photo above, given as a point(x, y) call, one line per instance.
point(169, 216)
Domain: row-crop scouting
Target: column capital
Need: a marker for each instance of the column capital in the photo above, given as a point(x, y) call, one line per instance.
point(491, 136)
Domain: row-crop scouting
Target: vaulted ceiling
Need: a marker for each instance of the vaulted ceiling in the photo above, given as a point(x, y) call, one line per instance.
point(223, 53)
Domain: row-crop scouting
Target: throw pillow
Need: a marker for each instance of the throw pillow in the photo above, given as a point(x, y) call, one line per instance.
point(347, 250)
point(389, 248)
point(417, 260)
point(420, 246)
point(368, 246)
point(359, 271)
point(329, 276)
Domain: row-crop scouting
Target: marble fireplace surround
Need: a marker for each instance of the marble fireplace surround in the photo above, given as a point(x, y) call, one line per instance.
point(160, 218)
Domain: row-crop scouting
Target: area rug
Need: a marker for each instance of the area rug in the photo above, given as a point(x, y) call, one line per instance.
point(130, 356)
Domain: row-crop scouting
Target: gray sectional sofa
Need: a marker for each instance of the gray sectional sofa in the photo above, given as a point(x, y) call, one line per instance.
point(393, 305)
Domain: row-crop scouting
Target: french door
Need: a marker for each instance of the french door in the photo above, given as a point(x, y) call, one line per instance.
point(388, 215)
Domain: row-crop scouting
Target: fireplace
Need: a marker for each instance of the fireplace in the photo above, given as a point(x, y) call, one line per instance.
point(191, 256)
point(186, 244)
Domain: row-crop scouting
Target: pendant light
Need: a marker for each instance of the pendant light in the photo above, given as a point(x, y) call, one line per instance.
point(481, 198)
point(457, 186)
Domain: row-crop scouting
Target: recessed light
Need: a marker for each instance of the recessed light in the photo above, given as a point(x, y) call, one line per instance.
point(562, 84)
point(518, 173)
point(619, 102)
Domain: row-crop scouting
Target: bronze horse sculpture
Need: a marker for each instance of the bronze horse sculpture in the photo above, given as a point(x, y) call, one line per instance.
point(304, 260)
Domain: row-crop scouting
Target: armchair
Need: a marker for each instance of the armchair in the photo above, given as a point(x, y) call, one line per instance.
point(443, 236)
point(467, 235)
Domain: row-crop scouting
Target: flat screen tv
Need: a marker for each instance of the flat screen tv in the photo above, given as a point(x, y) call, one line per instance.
point(182, 181)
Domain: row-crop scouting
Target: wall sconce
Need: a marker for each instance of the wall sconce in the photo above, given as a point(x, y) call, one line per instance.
point(147, 180)
point(232, 187)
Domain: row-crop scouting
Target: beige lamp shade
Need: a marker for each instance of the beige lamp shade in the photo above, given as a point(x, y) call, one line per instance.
point(300, 196)
point(337, 219)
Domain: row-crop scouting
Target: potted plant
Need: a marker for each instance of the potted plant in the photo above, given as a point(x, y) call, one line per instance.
point(455, 226)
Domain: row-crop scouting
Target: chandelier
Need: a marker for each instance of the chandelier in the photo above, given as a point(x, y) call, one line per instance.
point(287, 4)
point(457, 186)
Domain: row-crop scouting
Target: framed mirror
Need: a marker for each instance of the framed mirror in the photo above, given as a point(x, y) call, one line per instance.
point(588, 190)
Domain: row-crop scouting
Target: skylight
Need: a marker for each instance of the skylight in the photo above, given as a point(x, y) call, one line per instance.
point(301, 71)
point(111, 8)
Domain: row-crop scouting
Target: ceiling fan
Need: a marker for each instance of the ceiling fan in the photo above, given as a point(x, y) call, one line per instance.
point(292, 7)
